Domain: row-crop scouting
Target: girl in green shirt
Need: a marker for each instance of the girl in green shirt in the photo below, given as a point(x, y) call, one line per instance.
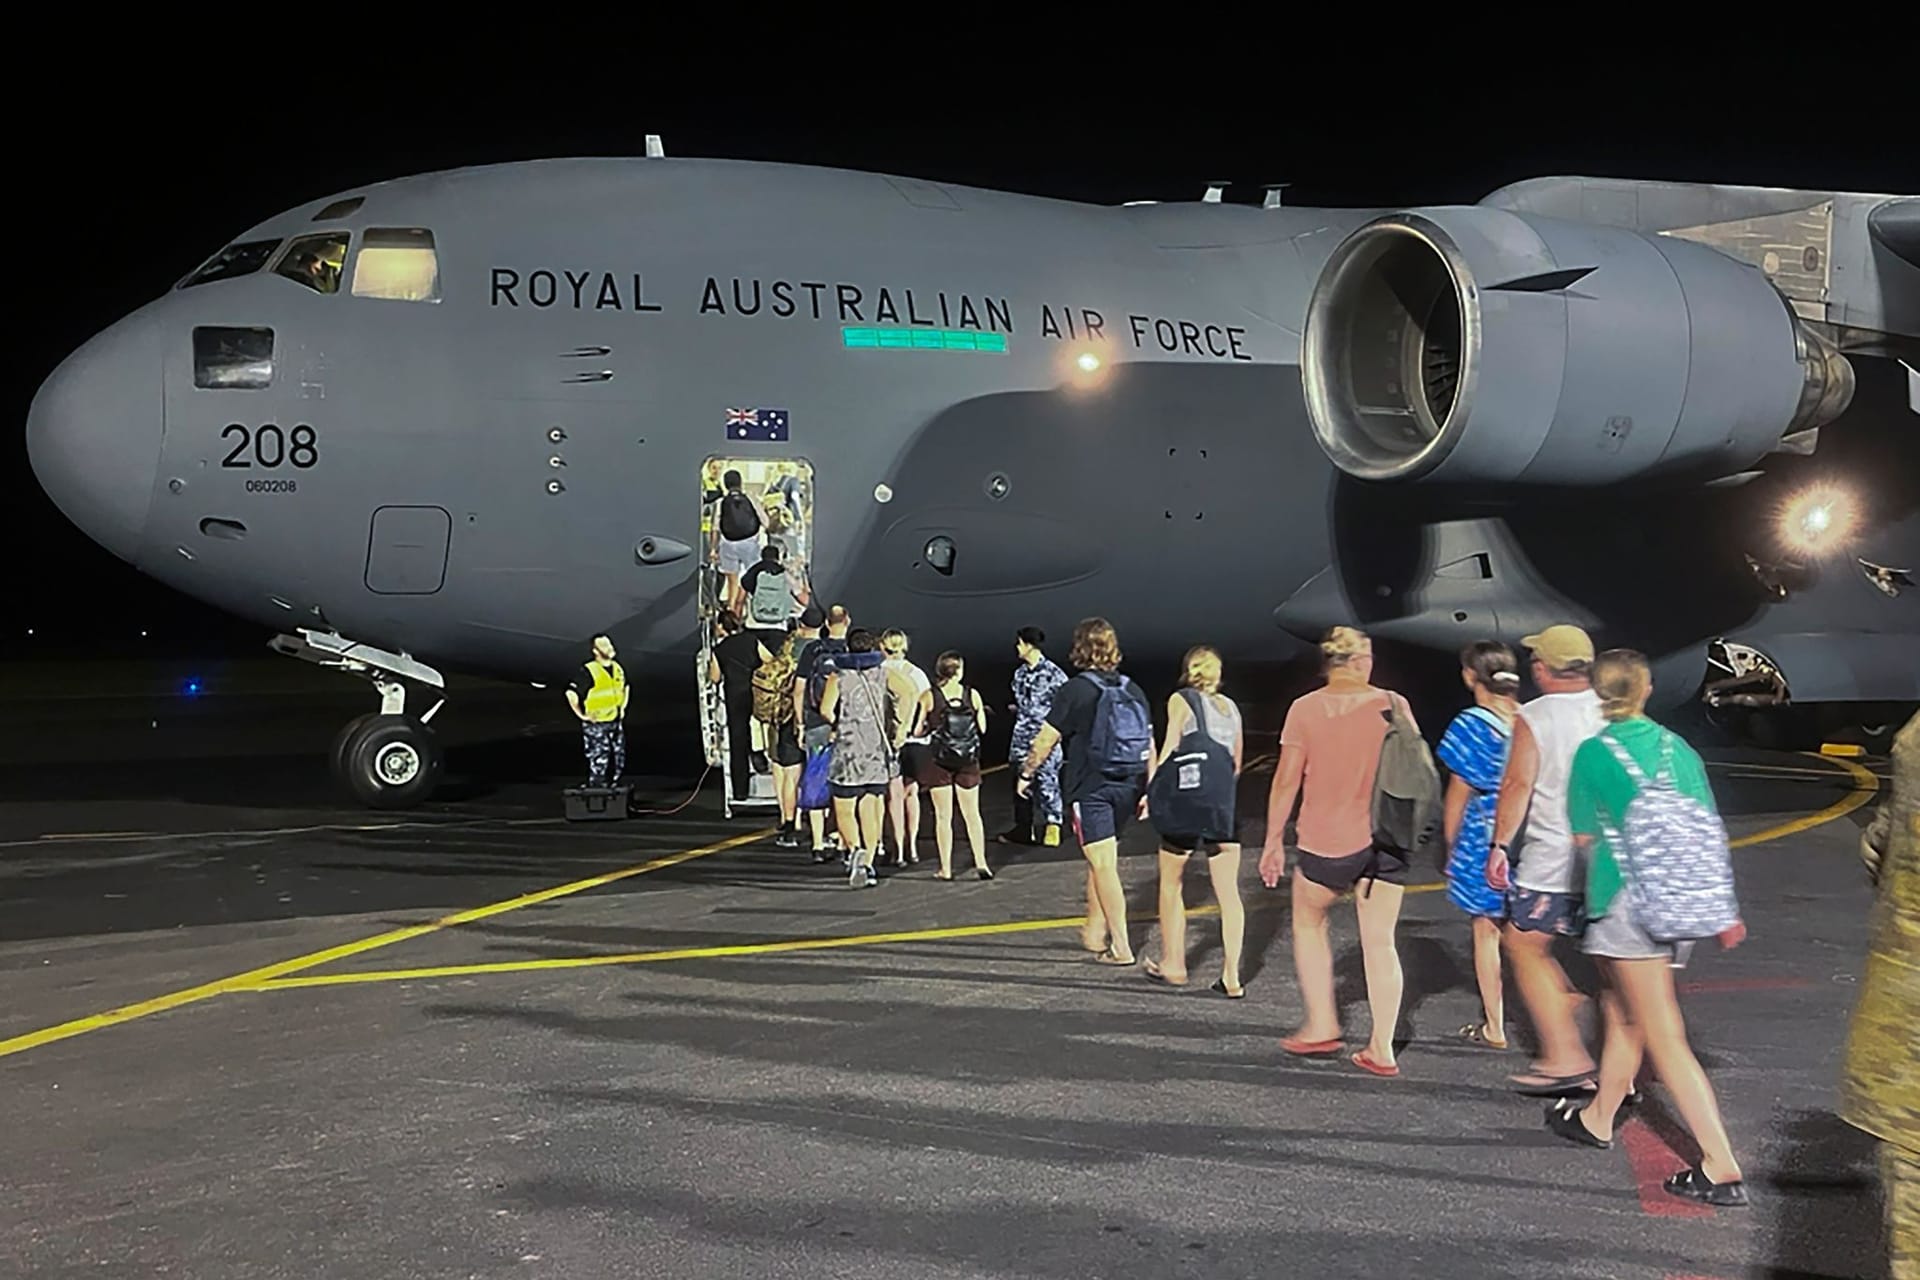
point(1642, 1011)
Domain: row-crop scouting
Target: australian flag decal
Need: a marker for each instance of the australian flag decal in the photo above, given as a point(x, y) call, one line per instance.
point(757, 424)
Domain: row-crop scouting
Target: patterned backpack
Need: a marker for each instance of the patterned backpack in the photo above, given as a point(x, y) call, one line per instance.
point(1673, 851)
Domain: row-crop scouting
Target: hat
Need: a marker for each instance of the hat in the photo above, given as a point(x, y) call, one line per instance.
point(1560, 646)
point(813, 617)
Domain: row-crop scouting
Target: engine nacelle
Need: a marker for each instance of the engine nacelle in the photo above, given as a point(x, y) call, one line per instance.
point(1473, 345)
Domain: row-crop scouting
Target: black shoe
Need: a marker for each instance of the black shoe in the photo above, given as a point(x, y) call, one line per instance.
point(824, 855)
point(787, 840)
point(983, 873)
point(1564, 1119)
point(1692, 1184)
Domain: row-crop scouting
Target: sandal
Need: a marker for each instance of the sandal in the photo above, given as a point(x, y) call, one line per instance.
point(1112, 957)
point(1154, 971)
point(1373, 1066)
point(1476, 1033)
point(1231, 993)
point(1540, 1085)
point(1693, 1184)
point(1313, 1048)
point(1564, 1119)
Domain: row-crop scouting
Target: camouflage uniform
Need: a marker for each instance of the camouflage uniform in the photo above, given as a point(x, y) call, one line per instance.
point(1033, 690)
point(606, 744)
point(1881, 1090)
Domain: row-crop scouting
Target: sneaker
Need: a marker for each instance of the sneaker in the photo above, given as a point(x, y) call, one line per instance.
point(787, 840)
point(1052, 840)
point(823, 855)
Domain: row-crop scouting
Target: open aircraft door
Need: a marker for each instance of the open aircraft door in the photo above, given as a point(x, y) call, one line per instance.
point(782, 490)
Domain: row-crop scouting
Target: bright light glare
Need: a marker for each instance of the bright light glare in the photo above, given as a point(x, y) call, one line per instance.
point(1818, 521)
point(1088, 362)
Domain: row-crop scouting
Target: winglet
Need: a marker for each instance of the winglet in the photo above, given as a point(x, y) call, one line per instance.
point(655, 148)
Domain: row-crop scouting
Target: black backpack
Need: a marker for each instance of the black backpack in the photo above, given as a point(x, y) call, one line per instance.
point(956, 734)
point(739, 519)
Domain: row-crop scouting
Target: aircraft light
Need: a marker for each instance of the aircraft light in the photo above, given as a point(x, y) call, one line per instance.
point(1088, 362)
point(192, 687)
point(1819, 520)
point(882, 493)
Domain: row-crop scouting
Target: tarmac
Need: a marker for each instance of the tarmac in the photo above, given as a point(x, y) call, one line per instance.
point(252, 1031)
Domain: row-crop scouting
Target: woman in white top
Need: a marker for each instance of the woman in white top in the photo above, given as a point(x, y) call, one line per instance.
point(1200, 817)
point(903, 797)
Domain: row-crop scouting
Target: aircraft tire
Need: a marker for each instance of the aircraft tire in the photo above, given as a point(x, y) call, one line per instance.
point(391, 762)
point(337, 757)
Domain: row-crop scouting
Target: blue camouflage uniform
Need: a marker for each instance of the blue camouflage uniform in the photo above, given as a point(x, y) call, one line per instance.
point(1033, 690)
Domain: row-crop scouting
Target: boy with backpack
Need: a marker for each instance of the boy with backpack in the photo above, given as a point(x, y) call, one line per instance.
point(773, 707)
point(736, 537)
point(1105, 726)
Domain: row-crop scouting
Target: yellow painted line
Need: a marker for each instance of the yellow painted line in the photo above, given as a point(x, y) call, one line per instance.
point(253, 977)
point(685, 953)
point(1865, 786)
point(1835, 750)
point(710, 953)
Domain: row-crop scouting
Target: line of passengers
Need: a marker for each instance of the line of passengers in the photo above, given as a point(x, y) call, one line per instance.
point(1570, 816)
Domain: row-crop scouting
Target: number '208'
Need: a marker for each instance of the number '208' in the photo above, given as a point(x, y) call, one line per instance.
point(270, 447)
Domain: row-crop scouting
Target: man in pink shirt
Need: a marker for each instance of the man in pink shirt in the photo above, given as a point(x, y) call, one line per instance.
point(1329, 755)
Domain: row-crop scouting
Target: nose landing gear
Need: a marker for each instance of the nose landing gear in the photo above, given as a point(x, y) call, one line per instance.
point(387, 759)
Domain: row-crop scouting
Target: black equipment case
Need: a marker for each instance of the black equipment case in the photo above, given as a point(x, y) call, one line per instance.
point(596, 804)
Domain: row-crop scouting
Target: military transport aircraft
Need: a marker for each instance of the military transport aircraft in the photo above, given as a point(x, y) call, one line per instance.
point(469, 420)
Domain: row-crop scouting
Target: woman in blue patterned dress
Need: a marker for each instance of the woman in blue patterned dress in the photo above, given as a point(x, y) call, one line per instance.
point(1474, 750)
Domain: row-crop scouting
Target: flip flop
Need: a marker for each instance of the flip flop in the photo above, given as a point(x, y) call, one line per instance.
point(1108, 957)
point(1366, 1063)
point(1312, 1048)
point(1539, 1085)
point(1476, 1033)
point(1154, 971)
point(1220, 985)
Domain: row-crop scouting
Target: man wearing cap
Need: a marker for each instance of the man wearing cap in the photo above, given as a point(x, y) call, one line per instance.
point(1544, 898)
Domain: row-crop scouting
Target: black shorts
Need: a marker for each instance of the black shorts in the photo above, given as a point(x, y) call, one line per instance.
point(1103, 810)
point(1193, 844)
point(1342, 874)
point(915, 759)
point(786, 748)
point(857, 790)
point(934, 774)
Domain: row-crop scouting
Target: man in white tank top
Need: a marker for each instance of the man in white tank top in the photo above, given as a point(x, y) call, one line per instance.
point(1544, 901)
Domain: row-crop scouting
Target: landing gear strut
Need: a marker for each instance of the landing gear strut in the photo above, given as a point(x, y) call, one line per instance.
point(387, 759)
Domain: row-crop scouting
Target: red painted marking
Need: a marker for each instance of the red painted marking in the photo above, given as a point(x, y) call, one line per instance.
point(1711, 986)
point(1653, 1163)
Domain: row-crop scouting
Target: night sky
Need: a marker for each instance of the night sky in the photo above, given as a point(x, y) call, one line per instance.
point(114, 212)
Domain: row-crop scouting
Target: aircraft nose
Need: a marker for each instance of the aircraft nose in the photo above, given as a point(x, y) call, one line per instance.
point(93, 434)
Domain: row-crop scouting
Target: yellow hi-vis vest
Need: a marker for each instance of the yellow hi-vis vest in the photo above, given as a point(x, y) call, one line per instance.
point(608, 692)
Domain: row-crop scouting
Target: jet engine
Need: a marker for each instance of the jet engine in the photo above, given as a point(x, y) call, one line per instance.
point(1475, 345)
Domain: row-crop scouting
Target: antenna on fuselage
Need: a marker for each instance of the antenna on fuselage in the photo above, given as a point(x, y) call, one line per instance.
point(1214, 190)
point(655, 149)
point(1273, 200)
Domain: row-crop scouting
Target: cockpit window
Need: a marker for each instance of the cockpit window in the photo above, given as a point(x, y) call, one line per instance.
point(226, 358)
point(315, 261)
point(397, 263)
point(242, 259)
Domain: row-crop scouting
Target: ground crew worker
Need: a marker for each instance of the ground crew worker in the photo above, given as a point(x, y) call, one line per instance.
point(1037, 815)
point(598, 696)
point(1880, 1093)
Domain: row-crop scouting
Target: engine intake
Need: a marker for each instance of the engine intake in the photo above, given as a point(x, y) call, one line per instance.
point(1479, 346)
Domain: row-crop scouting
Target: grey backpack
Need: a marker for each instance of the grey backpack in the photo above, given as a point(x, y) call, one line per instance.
point(1406, 787)
point(1673, 853)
